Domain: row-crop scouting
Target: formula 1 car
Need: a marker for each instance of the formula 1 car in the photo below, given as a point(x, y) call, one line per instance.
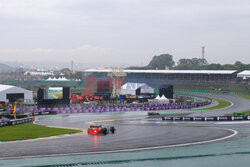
point(100, 130)
point(153, 113)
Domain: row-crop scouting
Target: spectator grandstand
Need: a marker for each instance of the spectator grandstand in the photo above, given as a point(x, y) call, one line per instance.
point(175, 77)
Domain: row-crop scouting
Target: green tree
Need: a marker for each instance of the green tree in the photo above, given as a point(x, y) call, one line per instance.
point(184, 62)
point(183, 67)
point(79, 75)
point(213, 67)
point(193, 62)
point(239, 65)
point(228, 67)
point(65, 70)
point(247, 67)
point(161, 61)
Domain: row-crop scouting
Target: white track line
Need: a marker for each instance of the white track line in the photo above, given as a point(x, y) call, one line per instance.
point(135, 149)
point(228, 106)
point(234, 122)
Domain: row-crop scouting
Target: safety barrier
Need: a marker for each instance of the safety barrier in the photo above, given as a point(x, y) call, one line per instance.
point(15, 122)
point(219, 118)
point(143, 107)
point(100, 109)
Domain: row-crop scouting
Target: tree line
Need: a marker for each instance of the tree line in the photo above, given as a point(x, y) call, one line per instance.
point(160, 62)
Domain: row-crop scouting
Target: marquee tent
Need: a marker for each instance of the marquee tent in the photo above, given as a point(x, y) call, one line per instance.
point(130, 88)
point(12, 93)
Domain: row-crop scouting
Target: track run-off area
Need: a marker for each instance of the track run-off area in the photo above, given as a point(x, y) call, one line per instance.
point(137, 136)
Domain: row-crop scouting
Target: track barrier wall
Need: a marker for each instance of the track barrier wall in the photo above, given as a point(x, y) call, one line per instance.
point(219, 118)
point(15, 121)
point(142, 107)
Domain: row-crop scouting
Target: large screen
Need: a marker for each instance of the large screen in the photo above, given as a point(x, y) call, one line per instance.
point(53, 93)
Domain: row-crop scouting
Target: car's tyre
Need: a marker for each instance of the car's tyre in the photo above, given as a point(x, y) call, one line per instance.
point(112, 129)
point(104, 131)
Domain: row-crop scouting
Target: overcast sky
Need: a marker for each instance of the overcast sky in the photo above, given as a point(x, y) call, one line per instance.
point(123, 32)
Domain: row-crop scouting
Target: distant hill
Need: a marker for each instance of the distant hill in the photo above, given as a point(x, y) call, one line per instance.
point(6, 68)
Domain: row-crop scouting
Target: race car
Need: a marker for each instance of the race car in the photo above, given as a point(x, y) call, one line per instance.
point(100, 130)
point(153, 113)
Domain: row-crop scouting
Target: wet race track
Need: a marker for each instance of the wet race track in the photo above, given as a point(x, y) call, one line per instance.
point(135, 132)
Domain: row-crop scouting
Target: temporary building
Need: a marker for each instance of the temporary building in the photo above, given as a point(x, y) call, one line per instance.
point(131, 88)
point(12, 93)
point(244, 74)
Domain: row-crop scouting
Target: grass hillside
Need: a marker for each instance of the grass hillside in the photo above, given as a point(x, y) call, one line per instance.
point(5, 68)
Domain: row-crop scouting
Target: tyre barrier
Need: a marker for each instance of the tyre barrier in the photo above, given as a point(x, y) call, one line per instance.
point(15, 122)
point(219, 118)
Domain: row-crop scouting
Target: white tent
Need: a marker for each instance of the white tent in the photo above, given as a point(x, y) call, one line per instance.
point(157, 97)
point(57, 79)
point(49, 79)
point(244, 74)
point(163, 97)
point(159, 100)
point(130, 88)
point(8, 90)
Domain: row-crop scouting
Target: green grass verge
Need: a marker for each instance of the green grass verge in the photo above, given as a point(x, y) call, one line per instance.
point(222, 104)
point(245, 96)
point(31, 131)
point(239, 113)
point(200, 87)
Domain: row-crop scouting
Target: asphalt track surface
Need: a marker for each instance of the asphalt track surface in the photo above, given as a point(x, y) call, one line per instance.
point(238, 105)
point(135, 131)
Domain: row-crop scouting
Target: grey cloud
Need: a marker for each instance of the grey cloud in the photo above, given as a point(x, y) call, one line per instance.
point(124, 31)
